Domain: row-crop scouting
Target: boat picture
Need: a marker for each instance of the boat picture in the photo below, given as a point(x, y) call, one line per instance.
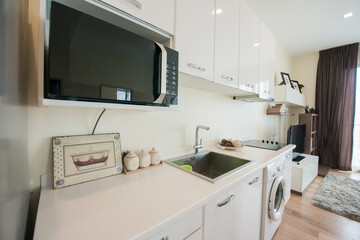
point(88, 159)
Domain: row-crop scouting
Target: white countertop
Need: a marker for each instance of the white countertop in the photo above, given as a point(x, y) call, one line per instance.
point(136, 205)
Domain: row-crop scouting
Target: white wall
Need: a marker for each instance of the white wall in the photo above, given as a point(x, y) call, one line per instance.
point(168, 131)
point(283, 64)
point(304, 71)
point(14, 171)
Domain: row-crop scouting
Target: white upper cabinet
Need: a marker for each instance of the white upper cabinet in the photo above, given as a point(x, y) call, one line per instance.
point(194, 37)
point(267, 62)
point(159, 13)
point(249, 49)
point(227, 42)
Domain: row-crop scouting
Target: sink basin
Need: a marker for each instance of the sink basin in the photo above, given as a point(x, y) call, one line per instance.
point(210, 165)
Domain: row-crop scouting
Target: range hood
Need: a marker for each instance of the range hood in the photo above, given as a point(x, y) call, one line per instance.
point(254, 98)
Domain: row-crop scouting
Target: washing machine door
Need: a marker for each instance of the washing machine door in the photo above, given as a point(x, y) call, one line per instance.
point(277, 198)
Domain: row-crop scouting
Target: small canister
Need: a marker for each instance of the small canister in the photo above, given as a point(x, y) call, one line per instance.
point(144, 159)
point(155, 156)
point(131, 161)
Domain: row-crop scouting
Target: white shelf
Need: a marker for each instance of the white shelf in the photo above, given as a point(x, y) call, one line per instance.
point(286, 95)
point(82, 104)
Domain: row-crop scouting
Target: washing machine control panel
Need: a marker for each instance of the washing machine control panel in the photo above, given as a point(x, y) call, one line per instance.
point(275, 168)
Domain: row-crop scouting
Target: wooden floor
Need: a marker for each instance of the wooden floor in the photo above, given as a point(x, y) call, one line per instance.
point(301, 220)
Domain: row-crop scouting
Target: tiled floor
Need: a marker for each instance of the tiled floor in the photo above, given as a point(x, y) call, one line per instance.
point(302, 220)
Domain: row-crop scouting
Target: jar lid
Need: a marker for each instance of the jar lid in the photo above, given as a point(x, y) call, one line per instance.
point(153, 151)
point(143, 153)
point(131, 154)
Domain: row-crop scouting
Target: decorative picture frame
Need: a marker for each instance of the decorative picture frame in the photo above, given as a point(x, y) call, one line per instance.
point(78, 159)
point(296, 85)
point(286, 78)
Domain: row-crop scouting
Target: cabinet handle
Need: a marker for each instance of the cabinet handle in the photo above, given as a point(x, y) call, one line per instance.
point(226, 201)
point(136, 3)
point(249, 85)
point(254, 181)
point(266, 91)
point(165, 238)
point(227, 77)
point(192, 65)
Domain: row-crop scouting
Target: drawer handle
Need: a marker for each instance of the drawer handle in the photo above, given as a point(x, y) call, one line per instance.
point(254, 181)
point(192, 65)
point(165, 238)
point(136, 3)
point(227, 77)
point(249, 85)
point(265, 91)
point(226, 201)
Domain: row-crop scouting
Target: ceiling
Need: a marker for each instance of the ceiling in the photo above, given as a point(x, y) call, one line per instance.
point(307, 26)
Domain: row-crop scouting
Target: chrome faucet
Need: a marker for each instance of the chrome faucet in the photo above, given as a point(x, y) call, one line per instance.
point(197, 145)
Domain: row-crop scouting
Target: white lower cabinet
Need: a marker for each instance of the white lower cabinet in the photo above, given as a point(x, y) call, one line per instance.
point(287, 174)
point(236, 213)
point(197, 235)
point(188, 228)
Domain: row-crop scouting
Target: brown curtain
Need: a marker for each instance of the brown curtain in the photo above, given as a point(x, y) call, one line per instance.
point(335, 101)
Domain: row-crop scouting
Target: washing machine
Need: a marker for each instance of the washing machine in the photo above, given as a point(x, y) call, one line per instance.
point(274, 186)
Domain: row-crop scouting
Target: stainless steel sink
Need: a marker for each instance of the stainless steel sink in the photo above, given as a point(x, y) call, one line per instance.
point(210, 165)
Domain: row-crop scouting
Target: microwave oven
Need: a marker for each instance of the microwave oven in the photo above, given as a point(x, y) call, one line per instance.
point(89, 59)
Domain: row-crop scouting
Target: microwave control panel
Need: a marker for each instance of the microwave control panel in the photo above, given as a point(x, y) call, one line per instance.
point(172, 76)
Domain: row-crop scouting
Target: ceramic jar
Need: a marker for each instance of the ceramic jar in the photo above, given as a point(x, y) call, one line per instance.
point(131, 161)
point(144, 159)
point(155, 156)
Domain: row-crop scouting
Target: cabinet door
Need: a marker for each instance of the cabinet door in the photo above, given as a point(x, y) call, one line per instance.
point(234, 212)
point(220, 222)
point(249, 49)
point(227, 42)
point(250, 206)
point(159, 13)
point(267, 62)
point(287, 174)
point(194, 37)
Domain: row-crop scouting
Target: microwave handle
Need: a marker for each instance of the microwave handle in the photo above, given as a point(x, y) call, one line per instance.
point(162, 74)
